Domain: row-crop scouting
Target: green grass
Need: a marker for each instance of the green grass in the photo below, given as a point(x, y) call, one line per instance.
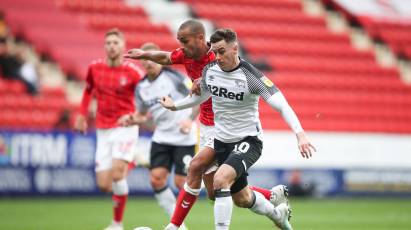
point(95, 214)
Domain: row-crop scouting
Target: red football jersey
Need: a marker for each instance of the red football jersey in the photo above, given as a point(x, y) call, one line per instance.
point(113, 88)
point(194, 70)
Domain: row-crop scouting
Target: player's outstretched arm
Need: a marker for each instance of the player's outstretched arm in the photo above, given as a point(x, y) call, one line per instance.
point(160, 57)
point(184, 103)
point(279, 103)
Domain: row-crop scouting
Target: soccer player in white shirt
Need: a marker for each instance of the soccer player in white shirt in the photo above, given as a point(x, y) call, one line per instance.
point(235, 87)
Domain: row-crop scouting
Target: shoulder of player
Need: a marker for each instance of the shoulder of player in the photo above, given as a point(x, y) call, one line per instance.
point(133, 68)
point(210, 65)
point(174, 74)
point(97, 63)
point(249, 68)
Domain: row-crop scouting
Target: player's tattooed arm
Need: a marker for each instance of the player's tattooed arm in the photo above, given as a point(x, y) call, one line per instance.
point(160, 57)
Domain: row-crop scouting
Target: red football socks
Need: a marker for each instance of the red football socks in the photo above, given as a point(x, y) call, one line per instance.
point(266, 193)
point(119, 204)
point(184, 203)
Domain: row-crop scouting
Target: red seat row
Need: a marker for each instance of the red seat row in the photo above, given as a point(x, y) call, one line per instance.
point(106, 6)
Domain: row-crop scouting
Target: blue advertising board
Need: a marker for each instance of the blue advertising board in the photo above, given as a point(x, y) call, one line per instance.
point(62, 163)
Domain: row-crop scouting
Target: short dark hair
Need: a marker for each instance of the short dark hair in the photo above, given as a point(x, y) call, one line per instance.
point(228, 35)
point(150, 46)
point(116, 32)
point(195, 26)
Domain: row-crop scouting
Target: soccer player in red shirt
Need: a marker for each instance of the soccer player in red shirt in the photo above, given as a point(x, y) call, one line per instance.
point(195, 54)
point(112, 81)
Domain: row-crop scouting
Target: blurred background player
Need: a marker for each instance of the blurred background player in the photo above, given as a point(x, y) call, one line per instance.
point(112, 81)
point(238, 130)
point(175, 134)
point(195, 54)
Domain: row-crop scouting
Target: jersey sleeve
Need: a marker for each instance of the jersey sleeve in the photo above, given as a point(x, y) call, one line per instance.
point(177, 56)
point(137, 72)
point(139, 101)
point(182, 83)
point(258, 83)
point(85, 101)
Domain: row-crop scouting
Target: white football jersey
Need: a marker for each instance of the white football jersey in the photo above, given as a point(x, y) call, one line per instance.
point(235, 95)
point(168, 83)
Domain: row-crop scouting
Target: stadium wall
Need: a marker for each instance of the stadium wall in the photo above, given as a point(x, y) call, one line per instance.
point(35, 163)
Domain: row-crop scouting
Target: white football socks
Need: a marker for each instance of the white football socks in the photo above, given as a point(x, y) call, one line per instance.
point(166, 200)
point(223, 208)
point(262, 206)
point(120, 187)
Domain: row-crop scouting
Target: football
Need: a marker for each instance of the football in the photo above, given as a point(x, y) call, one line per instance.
point(143, 228)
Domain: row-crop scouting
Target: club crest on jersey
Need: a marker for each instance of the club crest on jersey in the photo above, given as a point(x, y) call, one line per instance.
point(267, 81)
point(123, 80)
point(240, 83)
point(223, 92)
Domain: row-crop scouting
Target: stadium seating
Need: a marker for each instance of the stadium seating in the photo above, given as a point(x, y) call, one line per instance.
point(20, 110)
point(66, 29)
point(70, 32)
point(395, 33)
point(331, 85)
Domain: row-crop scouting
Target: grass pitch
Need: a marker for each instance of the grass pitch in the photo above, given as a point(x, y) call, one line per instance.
point(95, 214)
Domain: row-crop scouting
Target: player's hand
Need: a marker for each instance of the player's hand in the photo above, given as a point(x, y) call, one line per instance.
point(185, 126)
point(125, 120)
point(196, 88)
point(80, 125)
point(131, 119)
point(305, 147)
point(134, 54)
point(167, 103)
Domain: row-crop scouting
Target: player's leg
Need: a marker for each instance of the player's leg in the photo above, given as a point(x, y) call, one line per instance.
point(182, 156)
point(103, 161)
point(223, 205)
point(208, 179)
point(120, 189)
point(104, 181)
point(191, 189)
point(123, 141)
point(246, 152)
point(235, 159)
point(256, 202)
point(161, 163)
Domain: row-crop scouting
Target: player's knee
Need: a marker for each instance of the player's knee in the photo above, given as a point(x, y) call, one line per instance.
point(105, 186)
point(179, 184)
point(157, 181)
point(220, 182)
point(117, 175)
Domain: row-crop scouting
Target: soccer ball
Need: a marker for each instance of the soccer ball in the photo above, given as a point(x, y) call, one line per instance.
point(143, 228)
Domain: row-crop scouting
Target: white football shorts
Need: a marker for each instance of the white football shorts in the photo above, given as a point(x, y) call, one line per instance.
point(115, 143)
point(207, 140)
point(206, 136)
